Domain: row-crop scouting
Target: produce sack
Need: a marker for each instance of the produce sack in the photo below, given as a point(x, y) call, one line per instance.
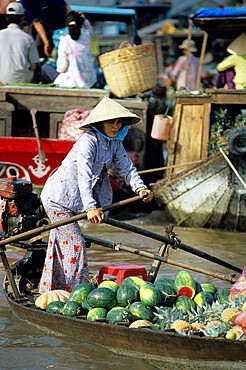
point(70, 127)
point(239, 288)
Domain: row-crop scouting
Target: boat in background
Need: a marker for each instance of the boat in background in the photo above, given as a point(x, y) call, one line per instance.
point(206, 195)
point(20, 158)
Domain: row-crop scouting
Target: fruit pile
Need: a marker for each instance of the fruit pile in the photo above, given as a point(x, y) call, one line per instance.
point(181, 304)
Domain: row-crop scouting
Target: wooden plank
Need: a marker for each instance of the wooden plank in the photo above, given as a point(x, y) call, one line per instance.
point(97, 93)
point(232, 216)
point(216, 219)
point(193, 99)
point(205, 130)
point(242, 210)
point(171, 144)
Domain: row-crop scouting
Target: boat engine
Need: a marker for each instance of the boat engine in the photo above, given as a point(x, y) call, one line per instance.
point(20, 208)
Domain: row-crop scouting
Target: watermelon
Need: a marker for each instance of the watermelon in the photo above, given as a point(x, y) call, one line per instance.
point(120, 314)
point(127, 294)
point(185, 284)
point(202, 298)
point(86, 307)
point(72, 308)
point(166, 280)
point(198, 287)
point(96, 313)
point(109, 284)
point(55, 307)
point(102, 297)
point(168, 294)
point(222, 295)
point(142, 311)
point(134, 280)
point(80, 292)
point(209, 288)
point(185, 304)
point(150, 295)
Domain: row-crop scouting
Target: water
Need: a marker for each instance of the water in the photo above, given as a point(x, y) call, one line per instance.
point(24, 347)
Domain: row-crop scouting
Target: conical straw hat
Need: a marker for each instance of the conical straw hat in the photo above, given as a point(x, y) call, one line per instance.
point(238, 46)
point(108, 109)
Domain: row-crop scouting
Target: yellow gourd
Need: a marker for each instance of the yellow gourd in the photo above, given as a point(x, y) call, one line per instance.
point(54, 295)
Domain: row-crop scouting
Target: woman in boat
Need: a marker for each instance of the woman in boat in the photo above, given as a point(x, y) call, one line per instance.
point(81, 184)
point(236, 60)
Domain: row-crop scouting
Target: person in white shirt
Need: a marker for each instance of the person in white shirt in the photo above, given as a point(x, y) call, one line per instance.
point(18, 53)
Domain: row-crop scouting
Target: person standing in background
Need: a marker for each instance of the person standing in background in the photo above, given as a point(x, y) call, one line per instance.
point(18, 53)
point(46, 16)
point(178, 73)
point(74, 62)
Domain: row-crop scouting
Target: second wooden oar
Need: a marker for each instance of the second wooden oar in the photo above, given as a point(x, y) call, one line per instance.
point(157, 257)
point(172, 242)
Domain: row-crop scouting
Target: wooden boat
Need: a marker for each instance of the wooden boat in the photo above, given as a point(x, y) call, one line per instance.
point(22, 281)
point(206, 195)
point(148, 344)
point(20, 158)
point(209, 194)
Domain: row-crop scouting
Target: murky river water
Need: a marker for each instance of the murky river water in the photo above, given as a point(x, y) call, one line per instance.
point(24, 347)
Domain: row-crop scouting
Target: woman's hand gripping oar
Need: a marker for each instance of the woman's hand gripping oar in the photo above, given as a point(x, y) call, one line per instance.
point(40, 231)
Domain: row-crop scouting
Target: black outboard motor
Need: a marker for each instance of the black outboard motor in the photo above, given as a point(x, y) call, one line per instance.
point(19, 207)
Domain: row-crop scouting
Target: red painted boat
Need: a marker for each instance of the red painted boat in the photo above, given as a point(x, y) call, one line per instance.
point(19, 157)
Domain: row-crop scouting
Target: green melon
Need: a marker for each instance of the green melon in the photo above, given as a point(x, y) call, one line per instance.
point(222, 295)
point(72, 308)
point(185, 304)
point(102, 297)
point(168, 295)
point(109, 284)
point(134, 280)
point(127, 294)
point(55, 307)
point(142, 311)
point(80, 292)
point(96, 313)
point(150, 295)
point(119, 314)
point(209, 288)
point(166, 280)
point(203, 298)
point(86, 307)
point(198, 287)
point(185, 284)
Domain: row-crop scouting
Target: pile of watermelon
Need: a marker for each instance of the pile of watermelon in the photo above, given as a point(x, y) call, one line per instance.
point(137, 299)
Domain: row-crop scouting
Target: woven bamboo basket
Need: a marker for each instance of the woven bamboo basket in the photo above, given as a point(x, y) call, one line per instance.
point(130, 70)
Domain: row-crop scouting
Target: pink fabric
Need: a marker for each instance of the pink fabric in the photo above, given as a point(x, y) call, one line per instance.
point(73, 119)
point(179, 74)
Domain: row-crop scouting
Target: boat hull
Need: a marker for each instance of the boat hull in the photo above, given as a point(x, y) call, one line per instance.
point(207, 195)
point(19, 156)
point(137, 340)
point(144, 342)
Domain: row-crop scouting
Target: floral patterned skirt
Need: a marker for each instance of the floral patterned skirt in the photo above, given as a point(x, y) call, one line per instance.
point(66, 263)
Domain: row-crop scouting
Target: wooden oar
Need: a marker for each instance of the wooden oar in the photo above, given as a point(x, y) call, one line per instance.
point(29, 234)
point(157, 257)
point(173, 242)
point(35, 127)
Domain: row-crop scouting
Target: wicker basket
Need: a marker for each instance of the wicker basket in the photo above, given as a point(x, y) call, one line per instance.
point(130, 70)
